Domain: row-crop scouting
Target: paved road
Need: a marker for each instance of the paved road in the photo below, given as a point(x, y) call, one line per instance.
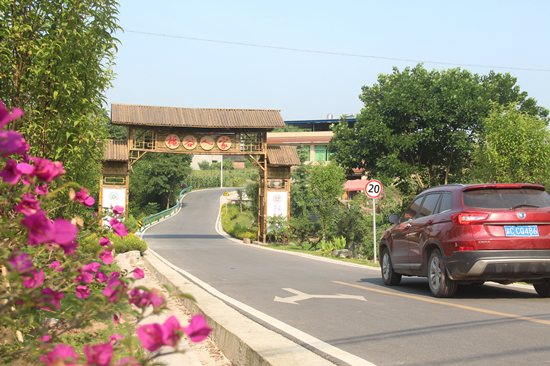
point(404, 325)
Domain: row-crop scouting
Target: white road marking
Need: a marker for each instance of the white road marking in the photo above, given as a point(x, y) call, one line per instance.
point(299, 296)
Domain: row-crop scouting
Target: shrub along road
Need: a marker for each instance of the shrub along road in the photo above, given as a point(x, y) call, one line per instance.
point(347, 307)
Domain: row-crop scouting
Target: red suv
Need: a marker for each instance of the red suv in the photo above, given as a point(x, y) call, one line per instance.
point(463, 234)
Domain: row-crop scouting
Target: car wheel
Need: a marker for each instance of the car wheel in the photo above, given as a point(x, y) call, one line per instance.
point(440, 284)
point(543, 288)
point(390, 277)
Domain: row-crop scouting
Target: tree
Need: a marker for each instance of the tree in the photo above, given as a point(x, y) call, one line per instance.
point(55, 64)
point(327, 186)
point(421, 127)
point(515, 148)
point(157, 178)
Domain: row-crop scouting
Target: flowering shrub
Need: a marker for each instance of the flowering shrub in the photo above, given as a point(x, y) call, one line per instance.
point(46, 273)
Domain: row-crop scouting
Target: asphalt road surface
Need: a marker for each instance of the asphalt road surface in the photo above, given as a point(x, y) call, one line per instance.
point(350, 308)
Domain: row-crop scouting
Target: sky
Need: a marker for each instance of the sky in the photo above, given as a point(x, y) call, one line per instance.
point(202, 62)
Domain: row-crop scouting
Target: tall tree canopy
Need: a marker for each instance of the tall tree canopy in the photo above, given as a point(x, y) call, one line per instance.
point(515, 148)
point(421, 126)
point(55, 64)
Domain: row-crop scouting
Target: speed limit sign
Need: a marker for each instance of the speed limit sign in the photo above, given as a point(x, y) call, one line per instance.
point(373, 189)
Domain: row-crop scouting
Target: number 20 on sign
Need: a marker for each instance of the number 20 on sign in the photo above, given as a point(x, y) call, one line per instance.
point(374, 189)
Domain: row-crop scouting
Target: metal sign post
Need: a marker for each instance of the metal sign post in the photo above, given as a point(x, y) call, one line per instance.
point(374, 189)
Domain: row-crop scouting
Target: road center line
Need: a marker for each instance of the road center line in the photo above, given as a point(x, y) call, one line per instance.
point(433, 301)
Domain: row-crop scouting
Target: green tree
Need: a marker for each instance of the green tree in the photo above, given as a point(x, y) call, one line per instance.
point(327, 186)
point(158, 177)
point(515, 148)
point(55, 64)
point(420, 127)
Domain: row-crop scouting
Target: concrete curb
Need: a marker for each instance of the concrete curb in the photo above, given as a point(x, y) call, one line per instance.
point(243, 341)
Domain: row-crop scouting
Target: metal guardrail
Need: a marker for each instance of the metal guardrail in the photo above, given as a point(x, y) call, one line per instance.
point(162, 215)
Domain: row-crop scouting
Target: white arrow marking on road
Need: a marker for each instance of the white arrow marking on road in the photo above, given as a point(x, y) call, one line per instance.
point(303, 296)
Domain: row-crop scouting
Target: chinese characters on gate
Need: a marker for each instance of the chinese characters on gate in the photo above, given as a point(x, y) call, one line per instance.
point(190, 142)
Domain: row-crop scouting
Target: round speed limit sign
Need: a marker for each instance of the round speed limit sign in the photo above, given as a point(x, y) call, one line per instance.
point(373, 189)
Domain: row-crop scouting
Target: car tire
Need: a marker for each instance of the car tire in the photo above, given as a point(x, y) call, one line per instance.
point(440, 283)
point(543, 288)
point(389, 276)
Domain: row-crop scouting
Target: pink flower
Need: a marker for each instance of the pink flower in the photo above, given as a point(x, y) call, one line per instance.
point(114, 274)
point(46, 170)
point(59, 352)
point(63, 232)
point(21, 262)
point(171, 331)
point(54, 265)
point(45, 338)
point(106, 257)
point(34, 279)
point(138, 273)
point(87, 272)
point(10, 174)
point(29, 205)
point(115, 338)
point(197, 329)
point(40, 228)
point(150, 336)
point(25, 168)
point(26, 181)
point(104, 242)
point(101, 277)
point(113, 289)
point(114, 222)
point(118, 210)
point(143, 299)
point(50, 297)
point(12, 142)
point(82, 291)
point(120, 230)
point(6, 117)
point(41, 190)
point(69, 248)
point(83, 197)
point(99, 355)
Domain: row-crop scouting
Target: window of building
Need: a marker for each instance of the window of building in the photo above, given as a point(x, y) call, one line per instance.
point(321, 153)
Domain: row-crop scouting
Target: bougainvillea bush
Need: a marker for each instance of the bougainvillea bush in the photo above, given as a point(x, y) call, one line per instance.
point(50, 285)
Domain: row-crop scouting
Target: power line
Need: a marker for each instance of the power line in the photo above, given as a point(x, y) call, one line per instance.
point(332, 53)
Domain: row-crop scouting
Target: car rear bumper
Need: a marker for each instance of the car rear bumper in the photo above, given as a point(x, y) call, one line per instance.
point(499, 265)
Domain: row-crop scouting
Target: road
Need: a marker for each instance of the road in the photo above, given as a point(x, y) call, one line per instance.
point(404, 325)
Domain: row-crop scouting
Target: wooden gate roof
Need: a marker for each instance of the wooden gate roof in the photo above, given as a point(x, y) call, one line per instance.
point(142, 115)
point(282, 155)
point(116, 150)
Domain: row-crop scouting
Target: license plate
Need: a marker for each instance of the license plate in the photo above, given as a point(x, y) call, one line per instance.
point(531, 230)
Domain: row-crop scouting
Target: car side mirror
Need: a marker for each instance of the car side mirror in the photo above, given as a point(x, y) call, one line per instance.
point(393, 218)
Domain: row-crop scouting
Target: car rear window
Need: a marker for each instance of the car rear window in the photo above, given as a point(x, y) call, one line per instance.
point(505, 198)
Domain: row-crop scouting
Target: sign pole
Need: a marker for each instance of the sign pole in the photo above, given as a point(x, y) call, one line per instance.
point(221, 173)
point(374, 189)
point(374, 225)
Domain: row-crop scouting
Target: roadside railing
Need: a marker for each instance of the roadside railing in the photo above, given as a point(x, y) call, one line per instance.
point(148, 221)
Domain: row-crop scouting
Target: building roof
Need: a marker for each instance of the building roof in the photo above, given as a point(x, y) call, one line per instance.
point(116, 150)
point(141, 115)
point(355, 185)
point(282, 155)
point(304, 139)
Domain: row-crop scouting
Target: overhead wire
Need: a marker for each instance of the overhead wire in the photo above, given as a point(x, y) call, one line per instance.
point(332, 53)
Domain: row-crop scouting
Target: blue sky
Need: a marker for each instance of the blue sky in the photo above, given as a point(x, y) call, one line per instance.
point(178, 72)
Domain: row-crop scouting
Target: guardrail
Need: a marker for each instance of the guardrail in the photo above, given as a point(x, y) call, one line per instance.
point(162, 215)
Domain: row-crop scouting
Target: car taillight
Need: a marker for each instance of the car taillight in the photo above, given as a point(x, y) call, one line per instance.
point(468, 218)
point(465, 249)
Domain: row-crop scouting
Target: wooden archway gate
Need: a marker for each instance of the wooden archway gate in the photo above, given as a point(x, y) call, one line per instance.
point(199, 131)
